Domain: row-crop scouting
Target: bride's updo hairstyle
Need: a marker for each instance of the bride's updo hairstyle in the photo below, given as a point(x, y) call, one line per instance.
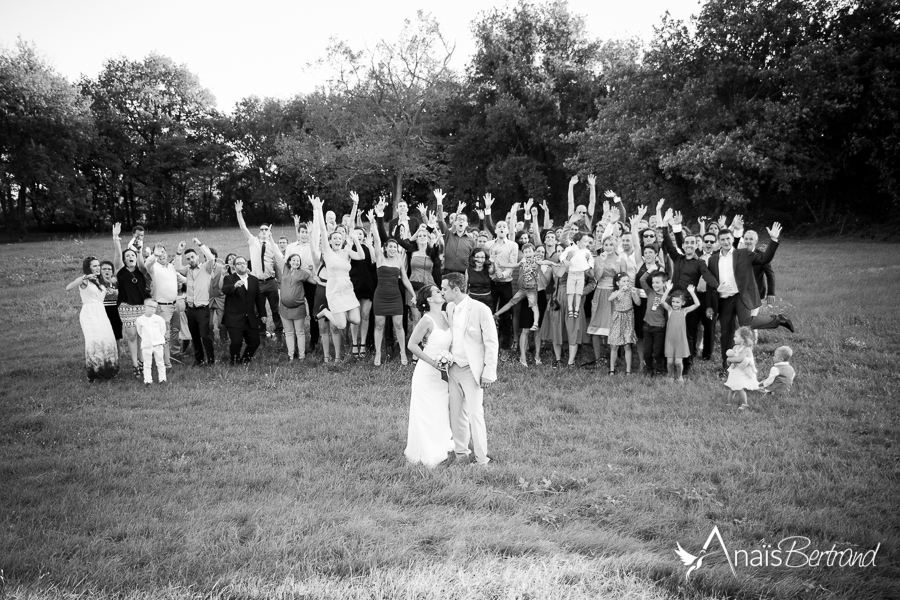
point(423, 296)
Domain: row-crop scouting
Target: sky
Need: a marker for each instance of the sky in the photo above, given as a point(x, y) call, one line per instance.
point(265, 47)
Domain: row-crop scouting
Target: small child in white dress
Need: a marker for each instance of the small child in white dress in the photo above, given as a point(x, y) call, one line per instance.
point(742, 367)
point(152, 329)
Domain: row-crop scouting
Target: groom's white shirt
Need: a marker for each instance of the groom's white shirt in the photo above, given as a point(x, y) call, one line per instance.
point(474, 338)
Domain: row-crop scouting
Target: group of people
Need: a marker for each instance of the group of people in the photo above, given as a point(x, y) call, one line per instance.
point(651, 287)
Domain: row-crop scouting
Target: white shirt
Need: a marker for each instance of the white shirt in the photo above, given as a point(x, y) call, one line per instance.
point(266, 271)
point(151, 329)
point(727, 283)
point(460, 319)
point(164, 282)
point(507, 252)
point(579, 258)
point(304, 251)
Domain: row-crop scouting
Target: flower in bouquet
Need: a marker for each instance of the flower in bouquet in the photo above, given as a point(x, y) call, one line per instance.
point(443, 360)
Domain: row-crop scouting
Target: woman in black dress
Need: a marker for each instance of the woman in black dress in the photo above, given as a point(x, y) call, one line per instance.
point(388, 302)
point(131, 284)
point(478, 277)
point(361, 275)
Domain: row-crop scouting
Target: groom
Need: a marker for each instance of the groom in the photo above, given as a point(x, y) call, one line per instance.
point(474, 368)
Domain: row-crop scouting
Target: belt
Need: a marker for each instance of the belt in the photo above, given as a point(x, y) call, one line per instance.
point(198, 305)
point(261, 280)
point(166, 303)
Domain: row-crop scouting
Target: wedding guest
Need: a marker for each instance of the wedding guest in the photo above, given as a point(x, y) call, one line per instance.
point(676, 337)
point(197, 299)
point(391, 269)
point(478, 276)
point(293, 303)
point(132, 291)
point(304, 246)
point(245, 307)
point(152, 329)
point(458, 245)
point(101, 355)
point(262, 266)
point(621, 331)
point(111, 300)
point(781, 376)
point(164, 291)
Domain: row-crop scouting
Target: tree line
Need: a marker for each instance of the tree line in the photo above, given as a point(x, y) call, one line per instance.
point(785, 108)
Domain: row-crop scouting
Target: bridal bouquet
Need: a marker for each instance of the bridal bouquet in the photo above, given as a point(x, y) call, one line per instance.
point(443, 360)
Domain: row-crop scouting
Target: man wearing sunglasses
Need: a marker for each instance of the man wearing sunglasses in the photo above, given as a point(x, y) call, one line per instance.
point(264, 268)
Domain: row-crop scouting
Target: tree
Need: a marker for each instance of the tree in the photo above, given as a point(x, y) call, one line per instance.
point(45, 133)
point(149, 115)
point(534, 79)
point(375, 119)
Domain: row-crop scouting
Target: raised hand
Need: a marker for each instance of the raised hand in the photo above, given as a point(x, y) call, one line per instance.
point(614, 213)
point(667, 218)
point(677, 219)
point(660, 204)
point(774, 231)
point(439, 195)
point(528, 205)
point(239, 206)
point(609, 194)
point(488, 201)
point(605, 207)
point(544, 205)
point(669, 286)
point(197, 242)
point(355, 197)
point(642, 210)
point(117, 229)
point(634, 220)
point(370, 216)
point(480, 213)
point(691, 289)
point(460, 207)
point(296, 221)
point(738, 222)
point(723, 221)
point(534, 212)
point(421, 208)
point(181, 246)
point(573, 181)
point(592, 180)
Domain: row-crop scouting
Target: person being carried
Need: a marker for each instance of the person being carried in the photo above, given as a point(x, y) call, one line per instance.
point(151, 328)
point(741, 366)
point(528, 284)
point(781, 376)
point(578, 259)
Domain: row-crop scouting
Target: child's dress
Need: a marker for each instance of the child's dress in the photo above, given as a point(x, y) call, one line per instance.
point(676, 335)
point(621, 330)
point(742, 375)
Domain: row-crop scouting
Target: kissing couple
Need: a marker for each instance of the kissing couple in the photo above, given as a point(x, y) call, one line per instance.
point(458, 362)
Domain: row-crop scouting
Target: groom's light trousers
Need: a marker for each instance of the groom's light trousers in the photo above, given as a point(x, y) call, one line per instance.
point(467, 413)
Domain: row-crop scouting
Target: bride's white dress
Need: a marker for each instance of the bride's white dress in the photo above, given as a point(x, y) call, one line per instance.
point(429, 438)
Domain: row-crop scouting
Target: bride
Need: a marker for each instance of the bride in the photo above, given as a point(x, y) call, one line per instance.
point(429, 438)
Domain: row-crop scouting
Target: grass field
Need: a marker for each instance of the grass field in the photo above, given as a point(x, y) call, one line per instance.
point(285, 480)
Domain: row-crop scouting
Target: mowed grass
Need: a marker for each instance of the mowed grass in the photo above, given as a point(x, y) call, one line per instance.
point(286, 480)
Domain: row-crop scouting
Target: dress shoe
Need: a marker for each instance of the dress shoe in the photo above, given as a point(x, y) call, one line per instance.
point(783, 321)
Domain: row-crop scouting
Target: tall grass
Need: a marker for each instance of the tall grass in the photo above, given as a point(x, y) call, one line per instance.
point(288, 480)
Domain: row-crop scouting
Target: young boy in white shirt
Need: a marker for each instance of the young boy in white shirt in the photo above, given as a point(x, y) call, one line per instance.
point(152, 331)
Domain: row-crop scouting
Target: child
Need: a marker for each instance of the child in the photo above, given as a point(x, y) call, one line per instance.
point(152, 331)
point(528, 284)
point(781, 377)
point(653, 282)
point(676, 331)
point(621, 331)
point(742, 367)
point(578, 258)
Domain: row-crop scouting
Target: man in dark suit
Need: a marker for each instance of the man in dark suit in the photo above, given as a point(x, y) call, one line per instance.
point(737, 295)
point(762, 272)
point(245, 310)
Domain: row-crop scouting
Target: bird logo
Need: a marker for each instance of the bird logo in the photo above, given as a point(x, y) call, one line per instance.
point(695, 562)
point(692, 562)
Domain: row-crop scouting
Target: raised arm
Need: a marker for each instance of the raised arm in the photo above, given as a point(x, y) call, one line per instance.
point(376, 236)
point(535, 230)
point(571, 196)
point(592, 202)
point(239, 209)
point(548, 222)
point(179, 266)
point(354, 197)
point(117, 246)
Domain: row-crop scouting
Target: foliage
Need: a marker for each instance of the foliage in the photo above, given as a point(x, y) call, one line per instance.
point(773, 104)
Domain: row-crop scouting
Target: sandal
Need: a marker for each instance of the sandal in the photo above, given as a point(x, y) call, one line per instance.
point(575, 314)
point(534, 327)
point(377, 361)
point(571, 314)
point(354, 352)
point(404, 360)
point(362, 351)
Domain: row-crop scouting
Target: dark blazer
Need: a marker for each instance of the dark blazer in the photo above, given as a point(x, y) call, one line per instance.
point(241, 303)
point(743, 275)
point(765, 277)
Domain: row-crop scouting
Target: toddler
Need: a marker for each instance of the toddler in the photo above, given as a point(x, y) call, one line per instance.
point(781, 377)
point(152, 331)
point(742, 367)
point(676, 331)
point(578, 259)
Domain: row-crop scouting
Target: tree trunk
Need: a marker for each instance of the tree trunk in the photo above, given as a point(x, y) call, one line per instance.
point(20, 212)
